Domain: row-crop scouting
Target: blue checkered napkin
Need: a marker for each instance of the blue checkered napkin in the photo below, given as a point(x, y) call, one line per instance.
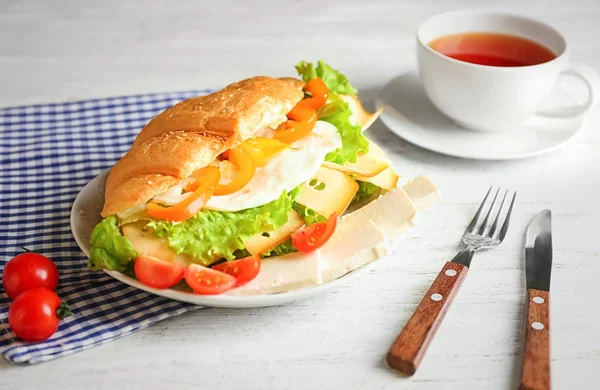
point(47, 154)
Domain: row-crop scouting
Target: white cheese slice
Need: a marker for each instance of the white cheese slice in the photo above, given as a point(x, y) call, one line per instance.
point(364, 235)
point(284, 273)
point(422, 192)
point(392, 213)
point(338, 258)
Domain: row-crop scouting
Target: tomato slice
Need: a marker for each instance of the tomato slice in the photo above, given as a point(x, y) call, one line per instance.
point(243, 161)
point(319, 93)
point(244, 270)
point(206, 182)
point(314, 236)
point(207, 281)
point(263, 149)
point(157, 273)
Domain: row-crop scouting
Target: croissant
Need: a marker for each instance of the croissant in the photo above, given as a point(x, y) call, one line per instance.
point(191, 134)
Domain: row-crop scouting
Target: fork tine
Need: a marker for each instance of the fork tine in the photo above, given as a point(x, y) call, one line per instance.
point(507, 219)
point(483, 227)
point(495, 225)
point(473, 224)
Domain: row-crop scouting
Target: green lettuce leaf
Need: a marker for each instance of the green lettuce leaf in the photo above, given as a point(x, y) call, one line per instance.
point(282, 249)
point(338, 113)
point(335, 81)
point(366, 193)
point(211, 235)
point(109, 248)
point(309, 215)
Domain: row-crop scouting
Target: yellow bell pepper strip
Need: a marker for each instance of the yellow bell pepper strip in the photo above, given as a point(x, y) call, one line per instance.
point(262, 149)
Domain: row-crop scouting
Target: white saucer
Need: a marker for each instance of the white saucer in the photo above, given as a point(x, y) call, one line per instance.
point(409, 114)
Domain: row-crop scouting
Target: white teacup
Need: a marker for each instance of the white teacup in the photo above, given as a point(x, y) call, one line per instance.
point(491, 98)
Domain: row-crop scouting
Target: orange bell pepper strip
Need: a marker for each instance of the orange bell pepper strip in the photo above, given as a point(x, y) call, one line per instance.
point(239, 157)
point(318, 94)
point(302, 121)
point(206, 181)
point(303, 116)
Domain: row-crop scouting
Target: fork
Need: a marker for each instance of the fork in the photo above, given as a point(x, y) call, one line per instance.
point(409, 348)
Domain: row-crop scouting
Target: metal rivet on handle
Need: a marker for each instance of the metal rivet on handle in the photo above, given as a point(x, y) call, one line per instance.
point(537, 325)
point(450, 272)
point(436, 297)
point(538, 300)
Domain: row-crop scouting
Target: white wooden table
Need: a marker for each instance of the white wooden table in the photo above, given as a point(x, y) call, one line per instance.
point(58, 50)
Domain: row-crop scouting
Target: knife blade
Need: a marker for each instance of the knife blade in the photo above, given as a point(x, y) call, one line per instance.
point(538, 251)
point(538, 263)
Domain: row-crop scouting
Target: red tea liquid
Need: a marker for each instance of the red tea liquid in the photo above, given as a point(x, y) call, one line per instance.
point(492, 49)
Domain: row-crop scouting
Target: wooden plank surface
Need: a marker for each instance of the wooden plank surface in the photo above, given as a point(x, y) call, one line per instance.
point(54, 51)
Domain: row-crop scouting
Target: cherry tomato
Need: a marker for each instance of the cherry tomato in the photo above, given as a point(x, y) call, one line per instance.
point(206, 183)
point(157, 273)
point(243, 161)
point(244, 270)
point(35, 314)
point(314, 236)
point(207, 281)
point(29, 270)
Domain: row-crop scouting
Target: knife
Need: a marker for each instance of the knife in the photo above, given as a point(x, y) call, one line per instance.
point(538, 263)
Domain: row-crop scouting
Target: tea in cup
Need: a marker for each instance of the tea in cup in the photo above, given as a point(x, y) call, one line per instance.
point(489, 71)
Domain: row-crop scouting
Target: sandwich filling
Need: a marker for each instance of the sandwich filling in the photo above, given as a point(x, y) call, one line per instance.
point(251, 199)
point(283, 172)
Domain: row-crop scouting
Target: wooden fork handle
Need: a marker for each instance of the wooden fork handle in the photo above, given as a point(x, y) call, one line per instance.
point(536, 358)
point(409, 348)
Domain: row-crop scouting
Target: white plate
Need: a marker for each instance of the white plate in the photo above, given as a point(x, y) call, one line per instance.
point(409, 114)
point(85, 214)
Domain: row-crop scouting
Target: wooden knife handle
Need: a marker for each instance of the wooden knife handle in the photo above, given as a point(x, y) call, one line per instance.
point(409, 348)
point(536, 358)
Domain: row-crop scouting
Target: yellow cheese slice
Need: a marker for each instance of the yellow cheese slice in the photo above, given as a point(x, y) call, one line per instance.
point(332, 191)
point(359, 115)
point(146, 242)
point(386, 179)
point(366, 165)
point(261, 243)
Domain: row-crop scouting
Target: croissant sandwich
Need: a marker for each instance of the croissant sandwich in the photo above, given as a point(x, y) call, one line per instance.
point(265, 186)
